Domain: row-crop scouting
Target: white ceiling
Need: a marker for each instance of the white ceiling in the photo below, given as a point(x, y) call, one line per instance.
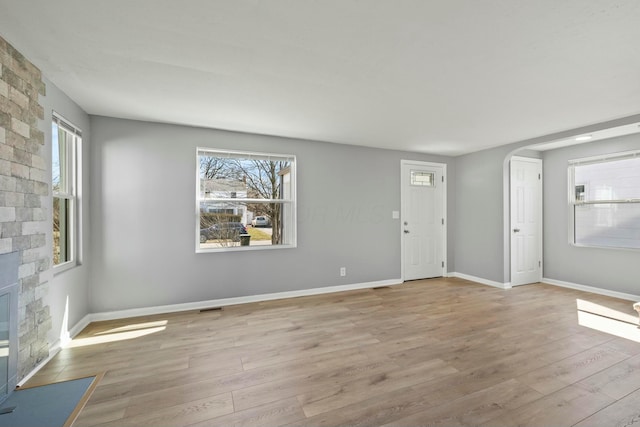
point(435, 76)
point(611, 132)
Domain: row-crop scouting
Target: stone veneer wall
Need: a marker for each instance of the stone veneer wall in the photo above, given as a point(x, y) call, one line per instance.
point(24, 190)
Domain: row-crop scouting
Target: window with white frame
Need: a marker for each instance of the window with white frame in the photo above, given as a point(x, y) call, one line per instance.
point(245, 200)
point(604, 197)
point(66, 140)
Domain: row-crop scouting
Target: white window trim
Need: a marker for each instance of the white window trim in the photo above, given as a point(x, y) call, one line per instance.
point(572, 202)
point(74, 178)
point(291, 201)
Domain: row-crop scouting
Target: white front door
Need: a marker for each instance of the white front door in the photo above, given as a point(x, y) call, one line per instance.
point(423, 220)
point(526, 220)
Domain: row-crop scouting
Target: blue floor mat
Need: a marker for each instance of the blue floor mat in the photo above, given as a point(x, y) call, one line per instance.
point(47, 405)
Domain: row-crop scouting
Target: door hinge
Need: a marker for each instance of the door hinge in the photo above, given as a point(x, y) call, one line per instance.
point(442, 221)
point(442, 178)
point(539, 177)
point(442, 264)
point(539, 263)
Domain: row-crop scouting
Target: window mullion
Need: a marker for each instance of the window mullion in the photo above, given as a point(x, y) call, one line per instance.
point(236, 200)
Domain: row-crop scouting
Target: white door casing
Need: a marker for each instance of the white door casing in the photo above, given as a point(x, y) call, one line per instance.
point(526, 220)
point(423, 224)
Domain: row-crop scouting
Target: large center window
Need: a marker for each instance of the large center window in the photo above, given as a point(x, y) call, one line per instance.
point(245, 200)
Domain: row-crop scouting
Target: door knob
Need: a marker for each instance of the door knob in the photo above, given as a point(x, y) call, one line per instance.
point(406, 231)
point(516, 230)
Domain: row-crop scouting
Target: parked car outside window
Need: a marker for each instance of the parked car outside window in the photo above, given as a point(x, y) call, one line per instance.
point(261, 221)
point(223, 231)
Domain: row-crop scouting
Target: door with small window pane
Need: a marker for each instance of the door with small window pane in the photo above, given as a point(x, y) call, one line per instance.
point(422, 220)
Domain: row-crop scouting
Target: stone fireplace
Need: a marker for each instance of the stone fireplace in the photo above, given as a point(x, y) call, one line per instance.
point(25, 220)
point(8, 323)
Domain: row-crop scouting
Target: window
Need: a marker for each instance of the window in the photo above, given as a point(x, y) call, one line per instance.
point(422, 179)
point(64, 156)
point(604, 195)
point(244, 200)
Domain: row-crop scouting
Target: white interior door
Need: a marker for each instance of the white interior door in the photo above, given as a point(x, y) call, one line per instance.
point(423, 220)
point(526, 220)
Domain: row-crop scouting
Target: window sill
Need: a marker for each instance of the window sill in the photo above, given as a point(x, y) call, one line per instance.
point(66, 266)
point(614, 248)
point(244, 248)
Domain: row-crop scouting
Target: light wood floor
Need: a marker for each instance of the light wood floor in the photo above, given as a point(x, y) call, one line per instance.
point(433, 352)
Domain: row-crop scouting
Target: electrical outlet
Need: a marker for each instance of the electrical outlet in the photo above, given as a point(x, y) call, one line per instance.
point(343, 271)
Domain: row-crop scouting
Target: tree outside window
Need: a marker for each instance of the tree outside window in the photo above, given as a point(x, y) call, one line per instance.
point(252, 189)
point(65, 145)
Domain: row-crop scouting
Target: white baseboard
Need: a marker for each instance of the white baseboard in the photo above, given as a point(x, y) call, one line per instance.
point(480, 280)
point(146, 311)
point(591, 289)
point(585, 288)
point(37, 368)
point(135, 312)
point(113, 315)
point(57, 346)
point(77, 328)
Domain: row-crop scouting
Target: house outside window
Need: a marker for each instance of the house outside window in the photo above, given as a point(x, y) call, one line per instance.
point(66, 144)
point(604, 197)
point(245, 200)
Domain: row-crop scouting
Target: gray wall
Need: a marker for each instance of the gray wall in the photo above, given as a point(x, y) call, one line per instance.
point(143, 217)
point(70, 285)
point(611, 269)
point(479, 224)
point(139, 248)
point(482, 204)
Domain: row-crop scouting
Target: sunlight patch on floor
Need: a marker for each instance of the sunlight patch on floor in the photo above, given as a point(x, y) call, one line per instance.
point(135, 326)
point(602, 310)
point(113, 337)
point(610, 326)
point(608, 320)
